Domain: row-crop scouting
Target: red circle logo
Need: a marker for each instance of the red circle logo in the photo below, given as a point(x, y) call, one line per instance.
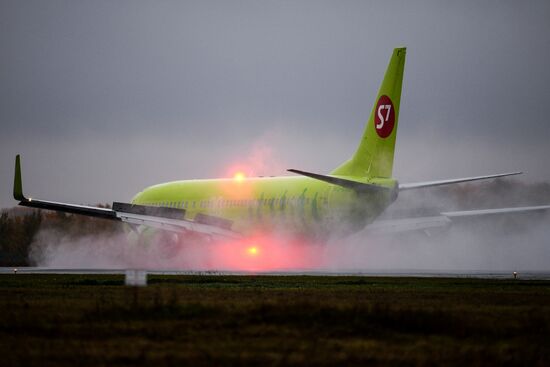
point(384, 117)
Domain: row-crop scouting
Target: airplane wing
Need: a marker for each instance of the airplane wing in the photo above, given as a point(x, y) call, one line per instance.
point(444, 219)
point(419, 185)
point(169, 219)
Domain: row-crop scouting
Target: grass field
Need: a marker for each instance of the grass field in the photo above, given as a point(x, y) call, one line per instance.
point(94, 320)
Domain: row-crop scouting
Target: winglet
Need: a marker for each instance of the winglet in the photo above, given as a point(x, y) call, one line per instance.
point(17, 183)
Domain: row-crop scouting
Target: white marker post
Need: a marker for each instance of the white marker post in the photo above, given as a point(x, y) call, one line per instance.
point(136, 278)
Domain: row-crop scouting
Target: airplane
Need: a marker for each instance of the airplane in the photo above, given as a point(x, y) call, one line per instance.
point(347, 200)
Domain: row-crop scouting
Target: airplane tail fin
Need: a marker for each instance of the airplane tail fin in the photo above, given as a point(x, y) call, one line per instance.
point(374, 156)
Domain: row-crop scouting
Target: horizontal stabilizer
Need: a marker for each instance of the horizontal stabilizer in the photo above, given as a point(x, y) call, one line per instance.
point(350, 184)
point(419, 185)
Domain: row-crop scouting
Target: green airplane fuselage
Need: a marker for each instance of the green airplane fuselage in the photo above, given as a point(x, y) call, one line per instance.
point(298, 204)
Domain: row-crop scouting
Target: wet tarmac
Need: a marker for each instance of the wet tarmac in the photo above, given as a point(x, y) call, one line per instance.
point(486, 274)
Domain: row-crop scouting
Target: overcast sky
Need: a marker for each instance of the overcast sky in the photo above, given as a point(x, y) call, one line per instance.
point(103, 98)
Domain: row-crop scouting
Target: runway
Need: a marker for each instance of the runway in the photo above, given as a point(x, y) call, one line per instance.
point(484, 274)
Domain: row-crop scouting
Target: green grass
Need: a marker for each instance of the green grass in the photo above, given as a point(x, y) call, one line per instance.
point(94, 320)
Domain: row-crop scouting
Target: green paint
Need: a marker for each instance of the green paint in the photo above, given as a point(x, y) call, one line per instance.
point(374, 156)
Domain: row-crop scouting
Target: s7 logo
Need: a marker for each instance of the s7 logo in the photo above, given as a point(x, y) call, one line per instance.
point(382, 118)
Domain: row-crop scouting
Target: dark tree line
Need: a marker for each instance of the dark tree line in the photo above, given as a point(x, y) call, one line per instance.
point(20, 226)
point(16, 236)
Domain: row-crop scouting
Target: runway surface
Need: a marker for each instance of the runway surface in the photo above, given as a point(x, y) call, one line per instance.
point(534, 275)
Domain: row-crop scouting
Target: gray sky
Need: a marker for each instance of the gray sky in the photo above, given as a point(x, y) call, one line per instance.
point(103, 98)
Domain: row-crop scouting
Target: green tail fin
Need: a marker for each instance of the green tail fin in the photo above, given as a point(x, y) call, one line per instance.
point(374, 156)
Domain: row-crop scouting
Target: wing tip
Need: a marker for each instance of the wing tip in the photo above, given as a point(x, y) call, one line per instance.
point(17, 181)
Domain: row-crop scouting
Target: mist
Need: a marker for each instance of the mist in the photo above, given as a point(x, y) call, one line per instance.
point(500, 243)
